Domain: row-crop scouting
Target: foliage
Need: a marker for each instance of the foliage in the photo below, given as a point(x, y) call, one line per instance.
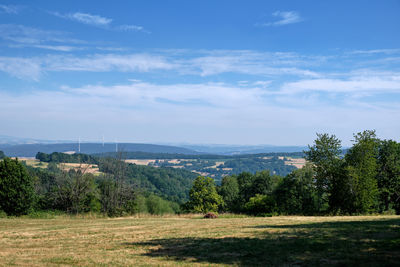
point(325, 157)
point(388, 176)
point(203, 196)
point(361, 166)
point(229, 191)
point(260, 205)
point(297, 194)
point(16, 188)
point(58, 157)
point(158, 206)
point(2, 155)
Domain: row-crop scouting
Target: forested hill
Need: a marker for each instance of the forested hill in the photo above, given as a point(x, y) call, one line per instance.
point(30, 150)
point(172, 184)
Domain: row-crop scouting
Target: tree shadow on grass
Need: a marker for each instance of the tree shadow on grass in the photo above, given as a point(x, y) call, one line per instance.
point(366, 243)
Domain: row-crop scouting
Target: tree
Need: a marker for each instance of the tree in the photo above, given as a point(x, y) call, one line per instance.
point(389, 174)
point(203, 196)
point(296, 194)
point(361, 167)
point(16, 188)
point(75, 191)
point(2, 156)
point(229, 191)
point(260, 205)
point(325, 157)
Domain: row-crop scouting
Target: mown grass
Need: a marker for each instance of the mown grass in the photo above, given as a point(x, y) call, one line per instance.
point(189, 240)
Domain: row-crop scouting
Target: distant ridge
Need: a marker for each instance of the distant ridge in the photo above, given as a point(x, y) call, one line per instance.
point(30, 150)
point(243, 149)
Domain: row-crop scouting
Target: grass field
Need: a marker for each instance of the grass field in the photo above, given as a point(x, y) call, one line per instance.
point(191, 240)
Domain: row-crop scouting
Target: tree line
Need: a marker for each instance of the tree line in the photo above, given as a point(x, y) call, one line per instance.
point(366, 179)
point(120, 189)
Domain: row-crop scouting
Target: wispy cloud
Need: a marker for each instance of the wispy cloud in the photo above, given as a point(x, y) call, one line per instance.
point(99, 21)
point(249, 62)
point(285, 17)
point(365, 84)
point(108, 62)
point(27, 69)
point(134, 28)
point(377, 51)
point(9, 9)
point(193, 108)
point(63, 48)
point(202, 63)
point(89, 19)
point(29, 35)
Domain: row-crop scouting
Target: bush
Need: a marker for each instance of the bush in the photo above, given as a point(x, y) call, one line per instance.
point(158, 206)
point(16, 188)
point(261, 205)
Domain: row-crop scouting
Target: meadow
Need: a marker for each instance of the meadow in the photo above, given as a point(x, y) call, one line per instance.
point(190, 240)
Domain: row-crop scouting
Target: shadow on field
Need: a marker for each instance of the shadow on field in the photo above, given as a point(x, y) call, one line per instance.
point(366, 243)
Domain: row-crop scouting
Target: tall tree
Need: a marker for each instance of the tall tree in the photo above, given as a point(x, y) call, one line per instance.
point(203, 196)
point(361, 166)
point(16, 187)
point(389, 174)
point(296, 194)
point(325, 156)
point(229, 191)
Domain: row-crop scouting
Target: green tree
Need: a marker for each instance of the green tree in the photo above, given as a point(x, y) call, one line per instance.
point(389, 174)
point(325, 157)
point(2, 156)
point(158, 206)
point(16, 188)
point(229, 191)
point(75, 191)
point(361, 167)
point(203, 196)
point(260, 205)
point(297, 194)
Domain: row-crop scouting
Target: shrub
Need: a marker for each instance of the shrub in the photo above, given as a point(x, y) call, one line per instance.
point(16, 188)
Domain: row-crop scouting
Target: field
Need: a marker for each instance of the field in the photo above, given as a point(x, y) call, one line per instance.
point(192, 240)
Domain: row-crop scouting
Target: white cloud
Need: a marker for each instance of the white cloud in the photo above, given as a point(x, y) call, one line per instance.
point(89, 19)
point(63, 48)
point(142, 93)
point(376, 51)
point(29, 35)
point(10, 9)
point(286, 17)
point(108, 62)
point(21, 68)
point(374, 85)
point(249, 62)
point(85, 18)
point(133, 28)
point(203, 112)
point(99, 21)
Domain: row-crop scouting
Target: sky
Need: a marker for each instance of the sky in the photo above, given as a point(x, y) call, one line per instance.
point(200, 72)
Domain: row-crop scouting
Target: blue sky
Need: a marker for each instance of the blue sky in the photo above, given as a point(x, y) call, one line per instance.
point(222, 72)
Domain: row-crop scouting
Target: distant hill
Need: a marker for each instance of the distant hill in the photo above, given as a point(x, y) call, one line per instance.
point(12, 140)
point(238, 150)
point(30, 150)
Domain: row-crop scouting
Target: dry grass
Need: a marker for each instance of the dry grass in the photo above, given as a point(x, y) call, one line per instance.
point(297, 162)
point(85, 168)
point(144, 162)
point(191, 240)
point(34, 162)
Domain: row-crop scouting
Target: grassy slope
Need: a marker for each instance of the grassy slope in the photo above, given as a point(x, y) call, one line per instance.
point(168, 241)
